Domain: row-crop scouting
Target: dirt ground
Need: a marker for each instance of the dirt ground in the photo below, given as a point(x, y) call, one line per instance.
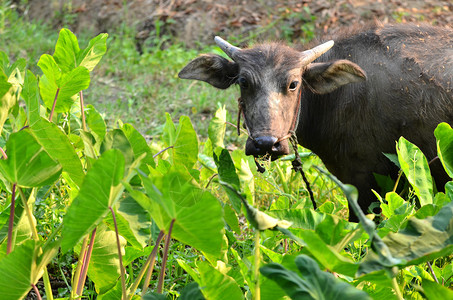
point(194, 21)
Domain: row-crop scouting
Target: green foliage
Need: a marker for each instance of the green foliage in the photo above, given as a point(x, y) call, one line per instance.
point(312, 283)
point(102, 194)
point(415, 166)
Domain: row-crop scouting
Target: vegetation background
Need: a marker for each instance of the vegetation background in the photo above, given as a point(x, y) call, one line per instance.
point(136, 82)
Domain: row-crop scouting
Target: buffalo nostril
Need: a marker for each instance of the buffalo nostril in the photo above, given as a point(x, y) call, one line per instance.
point(276, 147)
point(265, 143)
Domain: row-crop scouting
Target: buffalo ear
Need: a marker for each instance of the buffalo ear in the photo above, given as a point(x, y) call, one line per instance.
point(324, 78)
point(213, 69)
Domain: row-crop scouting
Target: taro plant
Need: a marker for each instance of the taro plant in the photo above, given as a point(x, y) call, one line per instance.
point(186, 217)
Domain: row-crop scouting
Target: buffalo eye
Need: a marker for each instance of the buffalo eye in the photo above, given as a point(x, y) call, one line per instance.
point(243, 82)
point(293, 85)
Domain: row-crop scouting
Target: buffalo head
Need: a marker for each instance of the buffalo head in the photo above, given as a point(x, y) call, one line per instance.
point(271, 77)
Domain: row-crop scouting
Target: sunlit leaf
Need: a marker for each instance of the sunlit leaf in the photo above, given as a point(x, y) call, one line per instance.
point(217, 127)
point(104, 269)
point(420, 241)
point(134, 222)
point(16, 270)
point(30, 93)
point(213, 283)
point(197, 214)
point(66, 50)
point(28, 164)
point(435, 291)
point(63, 86)
point(444, 136)
point(56, 143)
point(415, 166)
point(7, 98)
point(100, 189)
point(185, 147)
point(92, 54)
point(169, 131)
point(138, 144)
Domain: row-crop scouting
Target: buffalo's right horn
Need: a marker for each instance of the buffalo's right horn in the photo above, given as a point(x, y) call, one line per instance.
point(309, 56)
point(226, 47)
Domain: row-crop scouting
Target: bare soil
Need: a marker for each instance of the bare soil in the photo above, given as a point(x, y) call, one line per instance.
point(192, 21)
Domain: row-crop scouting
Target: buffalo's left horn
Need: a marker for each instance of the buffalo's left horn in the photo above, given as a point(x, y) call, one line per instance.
point(226, 47)
point(309, 56)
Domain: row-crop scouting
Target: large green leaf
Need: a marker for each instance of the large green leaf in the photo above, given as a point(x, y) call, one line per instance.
point(30, 93)
point(380, 249)
point(415, 166)
point(327, 255)
point(197, 214)
point(92, 54)
point(16, 270)
point(420, 241)
point(183, 140)
point(66, 50)
point(381, 286)
point(100, 189)
point(104, 269)
point(213, 283)
point(22, 267)
point(312, 283)
point(185, 147)
point(436, 291)
point(68, 54)
point(134, 222)
point(28, 164)
point(57, 144)
point(139, 145)
point(444, 136)
point(65, 84)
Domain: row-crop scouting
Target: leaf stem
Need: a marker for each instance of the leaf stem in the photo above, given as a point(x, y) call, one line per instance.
point(3, 153)
point(54, 104)
point(35, 288)
point(432, 272)
point(160, 284)
point(161, 151)
point(397, 289)
point(76, 276)
point(400, 173)
point(84, 125)
point(29, 215)
point(257, 265)
point(45, 276)
point(11, 219)
point(86, 262)
point(120, 256)
point(47, 286)
point(149, 264)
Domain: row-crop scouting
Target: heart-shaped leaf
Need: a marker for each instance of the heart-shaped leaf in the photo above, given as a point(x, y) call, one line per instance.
point(28, 164)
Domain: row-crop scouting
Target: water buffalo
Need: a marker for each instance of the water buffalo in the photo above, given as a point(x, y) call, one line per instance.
point(348, 104)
